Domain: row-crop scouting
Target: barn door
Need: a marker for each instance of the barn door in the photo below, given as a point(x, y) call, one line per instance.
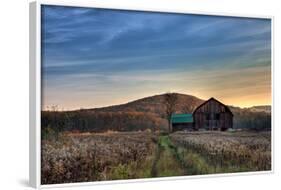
point(215, 118)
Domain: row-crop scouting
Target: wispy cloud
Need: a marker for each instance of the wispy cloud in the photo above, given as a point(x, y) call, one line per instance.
point(99, 55)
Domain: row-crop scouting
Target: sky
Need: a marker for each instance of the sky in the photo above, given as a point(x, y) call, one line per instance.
point(100, 57)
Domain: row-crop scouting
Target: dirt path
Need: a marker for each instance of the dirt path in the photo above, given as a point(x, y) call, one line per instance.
point(167, 161)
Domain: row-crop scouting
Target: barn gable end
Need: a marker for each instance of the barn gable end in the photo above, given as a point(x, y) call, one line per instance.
point(212, 115)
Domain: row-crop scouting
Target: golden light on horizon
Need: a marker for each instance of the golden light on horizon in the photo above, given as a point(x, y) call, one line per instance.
point(238, 87)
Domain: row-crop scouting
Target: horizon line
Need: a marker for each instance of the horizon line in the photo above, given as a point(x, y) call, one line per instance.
point(105, 106)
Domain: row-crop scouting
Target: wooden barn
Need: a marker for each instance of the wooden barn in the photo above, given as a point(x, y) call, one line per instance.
point(212, 115)
point(182, 122)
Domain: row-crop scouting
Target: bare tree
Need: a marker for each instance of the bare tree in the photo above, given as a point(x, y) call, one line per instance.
point(190, 106)
point(170, 101)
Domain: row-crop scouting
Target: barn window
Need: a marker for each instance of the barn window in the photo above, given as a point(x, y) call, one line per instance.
point(207, 116)
point(217, 116)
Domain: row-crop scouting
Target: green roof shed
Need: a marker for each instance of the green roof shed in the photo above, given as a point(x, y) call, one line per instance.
point(182, 118)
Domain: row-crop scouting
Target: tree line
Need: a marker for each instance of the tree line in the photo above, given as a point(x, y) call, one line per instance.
point(53, 122)
point(84, 121)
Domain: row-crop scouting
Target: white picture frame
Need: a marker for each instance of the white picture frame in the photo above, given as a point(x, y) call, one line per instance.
point(35, 90)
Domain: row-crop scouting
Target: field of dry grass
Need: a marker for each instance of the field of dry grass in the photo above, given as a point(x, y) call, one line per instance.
point(84, 157)
point(227, 151)
point(94, 157)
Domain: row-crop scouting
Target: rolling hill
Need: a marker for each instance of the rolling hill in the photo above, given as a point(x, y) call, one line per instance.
point(143, 114)
point(154, 105)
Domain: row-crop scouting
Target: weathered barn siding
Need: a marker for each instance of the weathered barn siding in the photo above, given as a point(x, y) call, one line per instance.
point(213, 115)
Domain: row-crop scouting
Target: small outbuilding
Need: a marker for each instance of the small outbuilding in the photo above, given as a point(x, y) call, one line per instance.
point(182, 122)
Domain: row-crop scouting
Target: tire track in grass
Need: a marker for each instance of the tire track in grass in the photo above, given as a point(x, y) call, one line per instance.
point(176, 160)
point(192, 162)
point(154, 172)
point(166, 163)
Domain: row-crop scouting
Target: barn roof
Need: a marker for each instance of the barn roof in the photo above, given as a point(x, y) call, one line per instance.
point(226, 107)
point(182, 118)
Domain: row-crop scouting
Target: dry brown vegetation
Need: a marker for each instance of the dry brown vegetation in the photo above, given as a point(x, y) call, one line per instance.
point(229, 151)
point(93, 157)
point(84, 157)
